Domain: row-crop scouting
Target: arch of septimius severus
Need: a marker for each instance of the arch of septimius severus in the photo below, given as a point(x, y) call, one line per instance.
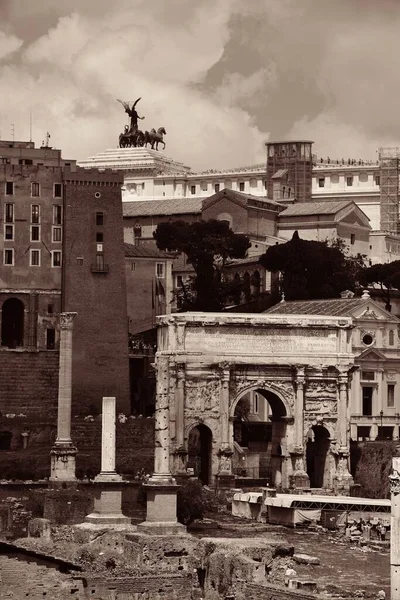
point(300, 364)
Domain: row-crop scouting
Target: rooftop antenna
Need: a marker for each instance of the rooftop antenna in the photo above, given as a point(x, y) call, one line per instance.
point(30, 123)
point(13, 131)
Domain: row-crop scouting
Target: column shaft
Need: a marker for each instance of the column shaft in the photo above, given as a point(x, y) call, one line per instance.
point(162, 442)
point(108, 437)
point(224, 409)
point(395, 529)
point(180, 405)
point(299, 408)
point(65, 380)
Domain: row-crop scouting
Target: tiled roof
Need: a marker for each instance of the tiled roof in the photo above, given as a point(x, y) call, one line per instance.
point(315, 208)
point(154, 208)
point(144, 252)
point(335, 308)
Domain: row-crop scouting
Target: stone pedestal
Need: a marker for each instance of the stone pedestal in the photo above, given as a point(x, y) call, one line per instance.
point(225, 477)
point(107, 511)
point(299, 477)
point(161, 510)
point(343, 480)
point(62, 457)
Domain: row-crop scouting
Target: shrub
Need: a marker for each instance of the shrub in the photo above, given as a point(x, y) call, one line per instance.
point(373, 469)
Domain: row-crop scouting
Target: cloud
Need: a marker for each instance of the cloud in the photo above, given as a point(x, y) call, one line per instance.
point(8, 44)
point(72, 74)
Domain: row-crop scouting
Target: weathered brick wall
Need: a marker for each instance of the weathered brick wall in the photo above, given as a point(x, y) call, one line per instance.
point(156, 587)
point(100, 344)
point(29, 383)
point(254, 591)
point(27, 579)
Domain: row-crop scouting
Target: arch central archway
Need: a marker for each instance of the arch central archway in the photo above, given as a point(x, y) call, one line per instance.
point(12, 323)
point(260, 423)
point(199, 452)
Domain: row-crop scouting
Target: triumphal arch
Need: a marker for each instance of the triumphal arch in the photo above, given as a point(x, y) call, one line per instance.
point(207, 362)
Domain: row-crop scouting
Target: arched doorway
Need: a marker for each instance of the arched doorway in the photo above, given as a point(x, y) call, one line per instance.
point(199, 452)
point(318, 441)
point(12, 323)
point(259, 432)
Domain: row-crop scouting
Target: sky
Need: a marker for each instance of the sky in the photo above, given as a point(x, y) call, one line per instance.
point(222, 76)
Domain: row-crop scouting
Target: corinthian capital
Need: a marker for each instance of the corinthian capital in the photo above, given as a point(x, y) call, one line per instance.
point(66, 320)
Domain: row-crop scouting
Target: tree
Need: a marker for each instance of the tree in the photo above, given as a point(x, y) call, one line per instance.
point(387, 276)
point(208, 245)
point(313, 270)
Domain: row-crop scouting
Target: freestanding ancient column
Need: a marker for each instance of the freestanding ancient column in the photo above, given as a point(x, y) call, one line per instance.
point(64, 452)
point(299, 478)
point(161, 488)
point(108, 500)
point(394, 478)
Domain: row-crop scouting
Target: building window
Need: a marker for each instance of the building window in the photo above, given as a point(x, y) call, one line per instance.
point(57, 234)
point(321, 182)
point(79, 261)
point(204, 186)
point(255, 408)
point(9, 256)
point(9, 232)
point(368, 375)
point(160, 270)
point(34, 258)
point(133, 266)
point(9, 188)
point(50, 339)
point(192, 189)
point(367, 401)
point(352, 239)
point(241, 186)
point(349, 180)
point(57, 190)
point(137, 230)
point(57, 214)
point(390, 395)
point(56, 258)
point(99, 236)
point(216, 188)
point(35, 233)
point(99, 262)
point(367, 339)
point(9, 212)
point(50, 309)
point(265, 185)
point(377, 179)
point(99, 219)
point(391, 337)
point(35, 189)
point(35, 213)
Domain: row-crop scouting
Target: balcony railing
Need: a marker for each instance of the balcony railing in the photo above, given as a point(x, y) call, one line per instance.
point(99, 268)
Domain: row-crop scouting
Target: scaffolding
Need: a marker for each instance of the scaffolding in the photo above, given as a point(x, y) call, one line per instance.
point(389, 186)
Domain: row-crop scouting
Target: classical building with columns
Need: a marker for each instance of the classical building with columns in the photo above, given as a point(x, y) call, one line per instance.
point(300, 364)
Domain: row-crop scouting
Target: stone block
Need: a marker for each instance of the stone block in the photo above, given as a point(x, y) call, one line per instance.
point(39, 528)
point(65, 506)
point(306, 559)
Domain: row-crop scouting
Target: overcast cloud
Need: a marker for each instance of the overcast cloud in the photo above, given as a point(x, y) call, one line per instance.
point(222, 76)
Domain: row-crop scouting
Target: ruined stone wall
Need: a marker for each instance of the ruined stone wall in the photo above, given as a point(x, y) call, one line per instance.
point(155, 587)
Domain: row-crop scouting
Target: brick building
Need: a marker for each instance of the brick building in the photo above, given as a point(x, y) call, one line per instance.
point(50, 260)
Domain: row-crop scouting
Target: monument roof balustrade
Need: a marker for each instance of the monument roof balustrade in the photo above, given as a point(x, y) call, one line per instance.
point(266, 319)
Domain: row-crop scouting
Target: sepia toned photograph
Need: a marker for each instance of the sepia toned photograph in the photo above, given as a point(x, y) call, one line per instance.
point(199, 300)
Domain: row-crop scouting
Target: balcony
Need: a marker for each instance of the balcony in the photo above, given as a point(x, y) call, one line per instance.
point(99, 268)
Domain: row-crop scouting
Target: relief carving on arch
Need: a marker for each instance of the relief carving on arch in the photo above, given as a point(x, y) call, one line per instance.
point(202, 396)
point(321, 397)
point(284, 389)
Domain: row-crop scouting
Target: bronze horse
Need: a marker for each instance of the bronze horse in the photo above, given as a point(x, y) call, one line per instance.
point(154, 138)
point(133, 139)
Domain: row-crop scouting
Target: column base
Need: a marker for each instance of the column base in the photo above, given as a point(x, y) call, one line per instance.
point(161, 515)
point(63, 463)
point(108, 477)
point(225, 480)
point(299, 479)
point(107, 511)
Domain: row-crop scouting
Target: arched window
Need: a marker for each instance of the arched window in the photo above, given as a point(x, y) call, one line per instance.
point(225, 218)
point(12, 323)
point(391, 337)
